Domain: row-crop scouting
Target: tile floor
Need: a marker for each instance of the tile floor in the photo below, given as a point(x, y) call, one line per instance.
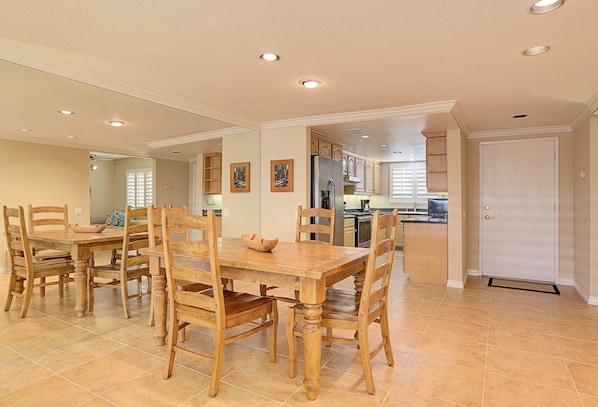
point(480, 346)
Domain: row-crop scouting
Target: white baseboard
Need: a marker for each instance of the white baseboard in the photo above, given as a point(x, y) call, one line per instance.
point(591, 300)
point(455, 284)
point(473, 272)
point(3, 269)
point(566, 281)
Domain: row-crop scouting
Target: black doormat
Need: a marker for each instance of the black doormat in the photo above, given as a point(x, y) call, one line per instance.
point(524, 285)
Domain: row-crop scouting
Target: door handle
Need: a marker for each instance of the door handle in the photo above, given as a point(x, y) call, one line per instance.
point(486, 217)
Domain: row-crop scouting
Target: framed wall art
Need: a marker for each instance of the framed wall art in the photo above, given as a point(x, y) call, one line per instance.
point(239, 177)
point(281, 175)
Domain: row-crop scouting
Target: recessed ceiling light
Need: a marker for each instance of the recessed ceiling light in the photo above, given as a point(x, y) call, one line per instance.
point(66, 112)
point(364, 136)
point(519, 116)
point(117, 123)
point(71, 137)
point(270, 57)
point(545, 6)
point(537, 50)
point(24, 130)
point(310, 83)
point(383, 145)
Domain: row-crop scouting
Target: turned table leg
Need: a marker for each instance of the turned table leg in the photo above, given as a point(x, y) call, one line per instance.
point(81, 287)
point(160, 300)
point(312, 348)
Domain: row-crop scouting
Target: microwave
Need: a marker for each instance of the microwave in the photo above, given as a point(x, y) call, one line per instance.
point(437, 207)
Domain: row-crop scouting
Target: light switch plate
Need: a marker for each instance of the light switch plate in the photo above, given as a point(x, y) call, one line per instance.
point(78, 211)
point(226, 213)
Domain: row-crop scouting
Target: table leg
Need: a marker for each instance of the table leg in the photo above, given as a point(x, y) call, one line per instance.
point(81, 284)
point(312, 348)
point(160, 300)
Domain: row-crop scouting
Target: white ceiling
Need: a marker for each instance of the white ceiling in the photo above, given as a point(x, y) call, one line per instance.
point(388, 68)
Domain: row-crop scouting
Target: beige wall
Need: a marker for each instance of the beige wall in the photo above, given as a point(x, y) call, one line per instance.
point(593, 218)
point(581, 151)
point(171, 183)
point(102, 190)
point(43, 175)
point(278, 209)
point(565, 214)
point(457, 190)
point(243, 207)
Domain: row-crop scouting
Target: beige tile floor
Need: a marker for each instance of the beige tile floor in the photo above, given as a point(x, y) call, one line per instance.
point(481, 346)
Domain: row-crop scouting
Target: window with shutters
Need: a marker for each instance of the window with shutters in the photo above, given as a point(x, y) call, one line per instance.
point(408, 182)
point(140, 190)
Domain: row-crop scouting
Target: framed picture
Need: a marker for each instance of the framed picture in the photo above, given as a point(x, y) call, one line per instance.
point(281, 176)
point(239, 177)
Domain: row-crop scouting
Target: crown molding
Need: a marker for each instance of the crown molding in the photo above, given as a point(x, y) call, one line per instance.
point(521, 132)
point(191, 138)
point(459, 117)
point(588, 110)
point(37, 58)
point(423, 109)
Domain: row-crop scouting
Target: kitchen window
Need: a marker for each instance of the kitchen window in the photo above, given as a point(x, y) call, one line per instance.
point(408, 182)
point(140, 188)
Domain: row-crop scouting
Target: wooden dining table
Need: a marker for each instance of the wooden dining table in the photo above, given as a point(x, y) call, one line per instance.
point(80, 245)
point(306, 268)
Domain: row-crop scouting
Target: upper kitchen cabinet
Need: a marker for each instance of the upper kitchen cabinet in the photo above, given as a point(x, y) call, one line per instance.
point(212, 172)
point(436, 163)
point(360, 173)
point(320, 145)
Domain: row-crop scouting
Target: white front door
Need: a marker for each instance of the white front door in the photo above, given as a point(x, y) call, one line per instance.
point(518, 196)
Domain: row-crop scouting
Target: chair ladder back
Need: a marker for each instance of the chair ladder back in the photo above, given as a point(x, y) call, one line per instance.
point(309, 220)
point(380, 260)
point(53, 216)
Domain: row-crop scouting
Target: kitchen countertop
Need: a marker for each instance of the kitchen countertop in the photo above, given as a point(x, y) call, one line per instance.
point(425, 219)
point(349, 213)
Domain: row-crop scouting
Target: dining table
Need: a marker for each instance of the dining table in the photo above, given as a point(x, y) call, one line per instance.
point(305, 268)
point(80, 245)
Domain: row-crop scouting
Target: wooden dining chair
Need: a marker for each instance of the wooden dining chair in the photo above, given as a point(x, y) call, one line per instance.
point(48, 217)
point(353, 312)
point(154, 220)
point(24, 269)
point(312, 225)
point(218, 309)
point(132, 267)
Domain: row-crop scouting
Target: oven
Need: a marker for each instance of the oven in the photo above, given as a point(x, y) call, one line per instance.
point(363, 230)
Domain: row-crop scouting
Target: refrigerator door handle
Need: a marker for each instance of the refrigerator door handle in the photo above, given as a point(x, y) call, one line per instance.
point(333, 189)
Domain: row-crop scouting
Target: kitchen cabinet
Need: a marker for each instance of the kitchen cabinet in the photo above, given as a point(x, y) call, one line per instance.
point(369, 177)
point(324, 148)
point(425, 252)
point(399, 231)
point(377, 179)
point(350, 165)
point(212, 173)
point(436, 161)
point(337, 152)
point(345, 170)
point(360, 173)
point(349, 229)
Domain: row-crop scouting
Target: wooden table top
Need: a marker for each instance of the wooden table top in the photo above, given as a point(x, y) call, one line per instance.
point(296, 259)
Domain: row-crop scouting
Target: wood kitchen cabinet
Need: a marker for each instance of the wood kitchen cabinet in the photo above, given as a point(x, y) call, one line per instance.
point(212, 173)
point(360, 173)
point(399, 231)
point(337, 152)
point(425, 252)
point(377, 179)
point(436, 161)
point(349, 229)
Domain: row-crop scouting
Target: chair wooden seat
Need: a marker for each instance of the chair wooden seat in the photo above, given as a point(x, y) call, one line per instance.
point(350, 311)
point(217, 309)
point(43, 218)
point(24, 270)
point(129, 268)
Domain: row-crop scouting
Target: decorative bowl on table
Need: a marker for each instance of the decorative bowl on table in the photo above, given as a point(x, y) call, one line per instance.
point(253, 241)
point(75, 227)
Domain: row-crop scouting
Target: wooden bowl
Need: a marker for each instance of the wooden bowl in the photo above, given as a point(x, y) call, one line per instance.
point(87, 229)
point(255, 242)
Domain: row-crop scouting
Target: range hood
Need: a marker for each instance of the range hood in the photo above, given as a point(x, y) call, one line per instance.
point(351, 180)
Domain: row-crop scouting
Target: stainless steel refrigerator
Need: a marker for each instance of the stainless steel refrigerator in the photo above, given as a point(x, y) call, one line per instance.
point(327, 190)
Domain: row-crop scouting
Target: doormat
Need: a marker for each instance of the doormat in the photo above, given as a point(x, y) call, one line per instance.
point(524, 285)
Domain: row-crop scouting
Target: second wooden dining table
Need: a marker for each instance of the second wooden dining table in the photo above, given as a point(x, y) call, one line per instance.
point(306, 268)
